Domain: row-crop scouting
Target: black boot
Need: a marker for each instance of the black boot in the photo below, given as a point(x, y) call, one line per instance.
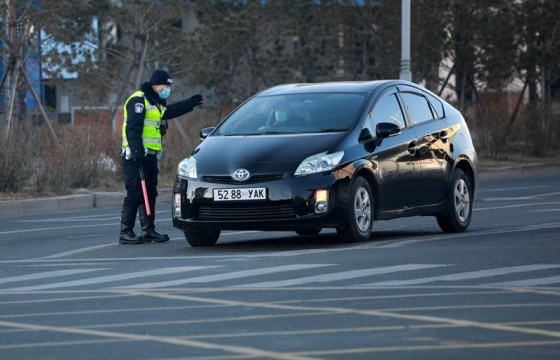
point(128, 218)
point(148, 228)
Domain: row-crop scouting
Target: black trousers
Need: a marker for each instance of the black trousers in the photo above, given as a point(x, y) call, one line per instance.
point(134, 196)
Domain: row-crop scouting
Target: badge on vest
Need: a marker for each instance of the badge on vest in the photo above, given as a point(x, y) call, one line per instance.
point(138, 108)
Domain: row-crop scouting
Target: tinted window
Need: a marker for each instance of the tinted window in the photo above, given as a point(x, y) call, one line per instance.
point(417, 108)
point(294, 113)
point(437, 105)
point(385, 110)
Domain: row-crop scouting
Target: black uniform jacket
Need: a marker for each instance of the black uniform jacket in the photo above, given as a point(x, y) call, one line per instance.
point(135, 117)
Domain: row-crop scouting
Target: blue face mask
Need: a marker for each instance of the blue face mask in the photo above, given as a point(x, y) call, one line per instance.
point(164, 94)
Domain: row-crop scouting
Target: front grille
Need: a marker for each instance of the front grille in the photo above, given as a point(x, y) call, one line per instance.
point(254, 179)
point(247, 211)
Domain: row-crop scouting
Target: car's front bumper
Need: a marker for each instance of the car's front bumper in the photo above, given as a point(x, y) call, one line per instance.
point(290, 204)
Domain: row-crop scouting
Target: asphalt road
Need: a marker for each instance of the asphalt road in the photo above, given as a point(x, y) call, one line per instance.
point(68, 291)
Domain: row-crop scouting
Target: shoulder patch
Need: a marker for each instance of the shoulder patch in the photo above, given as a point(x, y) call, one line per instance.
point(138, 108)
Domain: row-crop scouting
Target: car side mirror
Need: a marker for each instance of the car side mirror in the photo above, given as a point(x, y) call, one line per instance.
point(205, 132)
point(385, 129)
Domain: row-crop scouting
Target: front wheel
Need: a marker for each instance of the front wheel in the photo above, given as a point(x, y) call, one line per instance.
point(201, 238)
point(459, 215)
point(360, 213)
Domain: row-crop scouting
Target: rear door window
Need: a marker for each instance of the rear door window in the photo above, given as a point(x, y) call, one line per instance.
point(417, 108)
point(436, 104)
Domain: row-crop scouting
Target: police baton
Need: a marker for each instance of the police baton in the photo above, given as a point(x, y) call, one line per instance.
point(144, 191)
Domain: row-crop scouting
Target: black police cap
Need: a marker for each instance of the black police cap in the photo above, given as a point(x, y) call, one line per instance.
point(160, 77)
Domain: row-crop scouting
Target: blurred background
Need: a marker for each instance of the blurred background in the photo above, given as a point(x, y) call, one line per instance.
point(66, 68)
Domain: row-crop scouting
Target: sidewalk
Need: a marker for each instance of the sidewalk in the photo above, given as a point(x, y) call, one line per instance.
point(106, 199)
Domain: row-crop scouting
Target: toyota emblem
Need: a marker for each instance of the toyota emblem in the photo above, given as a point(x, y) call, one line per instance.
point(240, 175)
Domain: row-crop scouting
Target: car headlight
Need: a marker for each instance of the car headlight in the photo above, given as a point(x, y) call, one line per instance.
point(319, 163)
point(187, 168)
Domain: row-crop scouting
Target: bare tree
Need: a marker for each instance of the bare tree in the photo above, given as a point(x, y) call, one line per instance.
point(20, 40)
point(122, 42)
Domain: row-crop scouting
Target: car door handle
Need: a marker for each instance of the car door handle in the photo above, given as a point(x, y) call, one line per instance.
point(444, 136)
point(412, 148)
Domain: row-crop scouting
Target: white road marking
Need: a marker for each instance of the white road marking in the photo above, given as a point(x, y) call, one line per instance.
point(225, 276)
point(244, 351)
point(516, 206)
point(517, 198)
point(45, 275)
point(77, 251)
point(470, 234)
point(57, 228)
point(347, 311)
point(443, 237)
point(71, 219)
point(466, 275)
point(515, 188)
point(110, 278)
point(529, 282)
point(353, 274)
point(89, 225)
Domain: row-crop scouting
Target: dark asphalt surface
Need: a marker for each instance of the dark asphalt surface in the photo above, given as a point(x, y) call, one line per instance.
point(68, 291)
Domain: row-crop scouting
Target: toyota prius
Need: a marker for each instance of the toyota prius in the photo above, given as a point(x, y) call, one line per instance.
point(303, 157)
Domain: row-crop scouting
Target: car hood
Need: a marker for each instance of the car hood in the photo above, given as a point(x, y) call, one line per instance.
point(263, 154)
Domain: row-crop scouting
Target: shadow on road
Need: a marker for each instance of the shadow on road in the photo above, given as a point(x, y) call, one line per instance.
point(280, 242)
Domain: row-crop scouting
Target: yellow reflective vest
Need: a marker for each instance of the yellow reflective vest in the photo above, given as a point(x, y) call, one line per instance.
point(151, 135)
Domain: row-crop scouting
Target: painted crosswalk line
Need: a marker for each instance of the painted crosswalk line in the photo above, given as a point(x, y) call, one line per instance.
point(226, 276)
point(467, 275)
point(344, 275)
point(110, 278)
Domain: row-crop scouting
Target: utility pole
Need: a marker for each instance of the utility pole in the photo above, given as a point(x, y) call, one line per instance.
point(405, 41)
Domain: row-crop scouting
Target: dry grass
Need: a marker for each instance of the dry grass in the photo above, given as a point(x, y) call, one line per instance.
point(88, 158)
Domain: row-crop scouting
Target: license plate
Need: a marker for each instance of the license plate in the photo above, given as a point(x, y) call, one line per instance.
point(240, 194)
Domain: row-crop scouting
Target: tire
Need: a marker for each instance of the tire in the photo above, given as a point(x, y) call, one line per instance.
point(198, 238)
point(309, 231)
point(360, 213)
point(460, 208)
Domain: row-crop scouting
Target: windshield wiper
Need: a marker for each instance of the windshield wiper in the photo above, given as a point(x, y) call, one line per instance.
point(259, 133)
point(276, 132)
point(241, 134)
point(334, 130)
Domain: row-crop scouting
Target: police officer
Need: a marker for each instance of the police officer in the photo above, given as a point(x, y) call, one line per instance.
point(145, 121)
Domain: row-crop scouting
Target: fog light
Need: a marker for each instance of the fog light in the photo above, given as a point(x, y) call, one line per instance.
point(321, 201)
point(321, 207)
point(177, 205)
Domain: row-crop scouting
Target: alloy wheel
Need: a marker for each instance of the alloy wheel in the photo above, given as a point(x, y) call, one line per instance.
point(362, 209)
point(462, 200)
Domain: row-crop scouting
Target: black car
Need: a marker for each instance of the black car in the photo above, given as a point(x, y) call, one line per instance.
point(302, 157)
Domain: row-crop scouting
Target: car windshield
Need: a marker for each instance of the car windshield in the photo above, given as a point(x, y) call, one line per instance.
point(294, 113)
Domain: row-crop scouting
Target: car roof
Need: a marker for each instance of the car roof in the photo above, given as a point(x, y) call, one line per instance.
point(337, 86)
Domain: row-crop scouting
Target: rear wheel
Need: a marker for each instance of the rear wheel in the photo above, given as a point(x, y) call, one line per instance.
point(460, 208)
point(201, 238)
point(309, 231)
point(360, 213)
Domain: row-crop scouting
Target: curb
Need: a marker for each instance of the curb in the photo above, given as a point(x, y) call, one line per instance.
point(106, 199)
point(519, 167)
point(70, 202)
